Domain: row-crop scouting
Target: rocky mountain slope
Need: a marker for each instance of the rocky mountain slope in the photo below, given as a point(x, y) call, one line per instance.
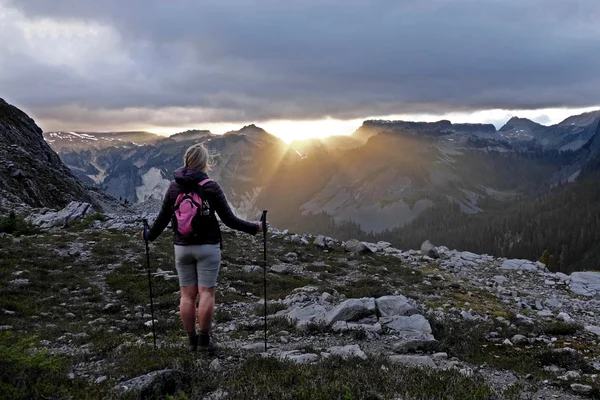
point(346, 319)
point(30, 171)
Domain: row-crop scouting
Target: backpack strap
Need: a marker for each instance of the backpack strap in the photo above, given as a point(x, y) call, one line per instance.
point(204, 182)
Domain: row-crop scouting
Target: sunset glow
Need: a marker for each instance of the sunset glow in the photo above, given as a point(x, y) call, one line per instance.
point(289, 130)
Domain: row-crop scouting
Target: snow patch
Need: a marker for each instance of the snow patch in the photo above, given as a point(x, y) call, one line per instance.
point(154, 185)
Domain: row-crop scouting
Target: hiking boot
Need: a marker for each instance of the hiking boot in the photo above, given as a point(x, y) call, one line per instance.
point(205, 344)
point(193, 343)
point(210, 349)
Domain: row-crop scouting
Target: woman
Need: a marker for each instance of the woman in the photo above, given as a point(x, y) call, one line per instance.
point(198, 253)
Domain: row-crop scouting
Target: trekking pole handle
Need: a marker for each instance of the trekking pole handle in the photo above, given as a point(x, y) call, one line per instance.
point(146, 229)
point(263, 220)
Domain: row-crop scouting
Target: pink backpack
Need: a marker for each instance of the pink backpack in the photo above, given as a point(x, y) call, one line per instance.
point(187, 207)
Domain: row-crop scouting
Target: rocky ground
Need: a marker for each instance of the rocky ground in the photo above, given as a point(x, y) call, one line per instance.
point(346, 320)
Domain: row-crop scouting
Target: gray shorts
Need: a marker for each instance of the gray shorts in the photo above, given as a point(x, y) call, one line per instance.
point(198, 265)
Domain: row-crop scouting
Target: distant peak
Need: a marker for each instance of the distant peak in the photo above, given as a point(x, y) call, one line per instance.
point(251, 128)
point(515, 122)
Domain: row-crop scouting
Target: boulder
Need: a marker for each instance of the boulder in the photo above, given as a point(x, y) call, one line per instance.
point(356, 247)
point(593, 329)
point(389, 306)
point(147, 384)
point(581, 389)
point(414, 325)
point(320, 242)
point(351, 310)
point(347, 351)
point(74, 211)
point(521, 265)
point(585, 283)
point(304, 315)
point(427, 249)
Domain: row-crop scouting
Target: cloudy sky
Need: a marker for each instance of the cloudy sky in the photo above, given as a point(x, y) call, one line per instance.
point(297, 67)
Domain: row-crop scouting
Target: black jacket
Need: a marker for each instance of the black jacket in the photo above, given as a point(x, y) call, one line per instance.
point(212, 192)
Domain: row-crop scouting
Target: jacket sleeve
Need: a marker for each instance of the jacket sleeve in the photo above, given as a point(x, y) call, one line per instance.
point(223, 209)
point(164, 216)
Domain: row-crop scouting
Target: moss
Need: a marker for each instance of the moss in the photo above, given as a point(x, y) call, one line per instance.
point(272, 308)
point(561, 328)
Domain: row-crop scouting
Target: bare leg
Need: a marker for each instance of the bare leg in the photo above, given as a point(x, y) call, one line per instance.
point(206, 308)
point(187, 307)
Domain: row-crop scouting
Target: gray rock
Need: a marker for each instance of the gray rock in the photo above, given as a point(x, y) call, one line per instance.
point(389, 306)
point(581, 389)
point(414, 333)
point(564, 317)
point(299, 358)
point(382, 246)
point(544, 313)
point(499, 279)
point(429, 250)
point(347, 351)
point(356, 247)
point(215, 365)
point(254, 347)
point(553, 303)
point(307, 313)
point(593, 329)
point(145, 382)
point(440, 356)
point(219, 394)
point(19, 282)
point(326, 298)
point(585, 283)
point(351, 310)
point(521, 265)
point(321, 242)
point(414, 324)
point(519, 339)
point(413, 361)
point(281, 268)
point(251, 268)
point(72, 212)
point(100, 379)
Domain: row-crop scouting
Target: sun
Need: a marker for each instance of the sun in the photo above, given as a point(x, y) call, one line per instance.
point(289, 131)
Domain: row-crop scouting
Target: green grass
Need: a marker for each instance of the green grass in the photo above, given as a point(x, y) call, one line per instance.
point(365, 287)
point(561, 328)
point(260, 378)
point(28, 374)
point(16, 225)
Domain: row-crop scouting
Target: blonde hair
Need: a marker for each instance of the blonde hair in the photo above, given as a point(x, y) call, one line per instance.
point(199, 157)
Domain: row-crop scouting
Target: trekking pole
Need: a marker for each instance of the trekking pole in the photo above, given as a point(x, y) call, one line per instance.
point(263, 221)
point(146, 229)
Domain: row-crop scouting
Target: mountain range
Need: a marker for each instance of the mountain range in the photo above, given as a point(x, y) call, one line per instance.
point(508, 192)
point(381, 177)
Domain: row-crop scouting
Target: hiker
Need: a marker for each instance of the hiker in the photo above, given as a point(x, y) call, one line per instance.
point(191, 203)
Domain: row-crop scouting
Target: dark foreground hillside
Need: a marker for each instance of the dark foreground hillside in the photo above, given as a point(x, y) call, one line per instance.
point(75, 323)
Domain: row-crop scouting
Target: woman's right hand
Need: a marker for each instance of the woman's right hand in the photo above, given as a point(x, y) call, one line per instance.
point(260, 226)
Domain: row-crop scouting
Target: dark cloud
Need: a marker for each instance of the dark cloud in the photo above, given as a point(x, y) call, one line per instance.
point(255, 60)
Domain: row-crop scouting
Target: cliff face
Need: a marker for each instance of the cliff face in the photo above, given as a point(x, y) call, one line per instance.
point(30, 171)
